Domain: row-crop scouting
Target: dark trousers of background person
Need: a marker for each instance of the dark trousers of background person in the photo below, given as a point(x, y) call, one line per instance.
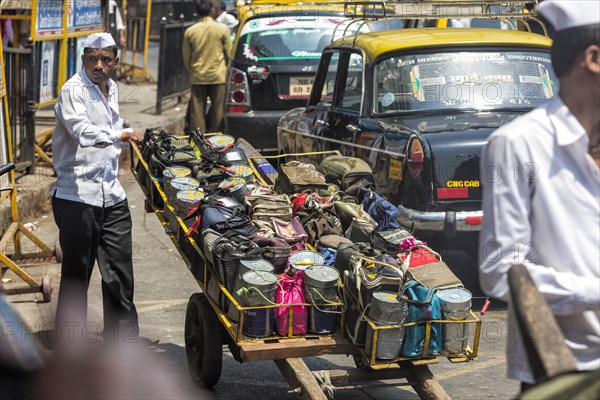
point(200, 93)
point(87, 234)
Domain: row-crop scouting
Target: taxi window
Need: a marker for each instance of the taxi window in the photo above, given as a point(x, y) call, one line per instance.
point(283, 41)
point(322, 94)
point(352, 92)
point(464, 80)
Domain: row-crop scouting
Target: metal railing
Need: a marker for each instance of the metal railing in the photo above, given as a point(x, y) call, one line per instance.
point(173, 79)
point(182, 10)
point(20, 89)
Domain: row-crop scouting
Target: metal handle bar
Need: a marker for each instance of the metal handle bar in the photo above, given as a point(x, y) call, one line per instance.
point(7, 168)
point(3, 170)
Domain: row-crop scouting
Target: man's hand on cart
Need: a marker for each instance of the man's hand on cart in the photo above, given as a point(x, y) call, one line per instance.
point(130, 136)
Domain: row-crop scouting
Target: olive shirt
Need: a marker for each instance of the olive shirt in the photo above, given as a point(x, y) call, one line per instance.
point(206, 48)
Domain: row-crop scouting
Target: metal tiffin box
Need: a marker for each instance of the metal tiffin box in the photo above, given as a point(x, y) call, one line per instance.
point(455, 304)
point(321, 284)
point(304, 259)
point(386, 308)
point(246, 266)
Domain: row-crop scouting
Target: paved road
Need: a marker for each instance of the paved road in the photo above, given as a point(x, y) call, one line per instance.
point(163, 286)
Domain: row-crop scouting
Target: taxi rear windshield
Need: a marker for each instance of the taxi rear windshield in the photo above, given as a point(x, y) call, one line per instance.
point(464, 80)
point(275, 40)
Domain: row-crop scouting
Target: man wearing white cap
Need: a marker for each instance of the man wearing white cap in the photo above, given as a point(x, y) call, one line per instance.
point(89, 204)
point(542, 208)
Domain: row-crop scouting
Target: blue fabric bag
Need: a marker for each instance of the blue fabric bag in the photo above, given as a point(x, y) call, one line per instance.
point(423, 305)
point(329, 255)
point(382, 211)
point(223, 219)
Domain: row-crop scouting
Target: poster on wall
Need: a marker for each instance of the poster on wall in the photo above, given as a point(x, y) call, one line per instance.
point(49, 18)
point(84, 15)
point(80, 44)
point(74, 53)
point(47, 63)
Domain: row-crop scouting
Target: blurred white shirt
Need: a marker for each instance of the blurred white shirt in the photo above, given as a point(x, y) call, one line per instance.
point(541, 205)
point(229, 20)
point(115, 9)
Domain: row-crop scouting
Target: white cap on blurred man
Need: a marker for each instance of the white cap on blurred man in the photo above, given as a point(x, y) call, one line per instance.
point(567, 14)
point(99, 41)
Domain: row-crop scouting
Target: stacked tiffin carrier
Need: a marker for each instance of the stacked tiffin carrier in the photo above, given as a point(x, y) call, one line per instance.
point(315, 251)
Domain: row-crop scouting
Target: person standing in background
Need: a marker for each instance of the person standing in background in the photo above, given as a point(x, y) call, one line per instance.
point(206, 48)
point(115, 9)
point(225, 18)
point(8, 34)
point(541, 204)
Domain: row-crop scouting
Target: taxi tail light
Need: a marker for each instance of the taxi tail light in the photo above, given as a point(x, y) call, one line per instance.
point(474, 220)
point(453, 193)
point(238, 91)
point(415, 158)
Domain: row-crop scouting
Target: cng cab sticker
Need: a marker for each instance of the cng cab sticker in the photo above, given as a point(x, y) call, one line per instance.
point(462, 184)
point(395, 170)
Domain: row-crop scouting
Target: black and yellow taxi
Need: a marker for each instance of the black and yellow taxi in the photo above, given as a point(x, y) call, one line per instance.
point(418, 105)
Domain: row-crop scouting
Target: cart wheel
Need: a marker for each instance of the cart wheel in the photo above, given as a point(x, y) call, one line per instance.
point(58, 253)
point(203, 344)
point(46, 289)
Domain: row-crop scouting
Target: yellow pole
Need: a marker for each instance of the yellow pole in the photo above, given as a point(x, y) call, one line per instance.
point(33, 19)
point(134, 41)
point(147, 35)
point(62, 64)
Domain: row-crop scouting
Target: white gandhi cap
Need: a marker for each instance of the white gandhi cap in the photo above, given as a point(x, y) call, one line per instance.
point(99, 41)
point(567, 14)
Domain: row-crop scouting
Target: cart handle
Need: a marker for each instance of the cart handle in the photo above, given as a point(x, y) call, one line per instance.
point(7, 168)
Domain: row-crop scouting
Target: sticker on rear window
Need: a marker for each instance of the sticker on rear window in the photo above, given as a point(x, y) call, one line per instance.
point(546, 81)
point(387, 99)
point(415, 84)
point(249, 53)
point(302, 53)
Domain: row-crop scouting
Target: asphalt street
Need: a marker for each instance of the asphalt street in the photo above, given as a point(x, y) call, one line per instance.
point(163, 287)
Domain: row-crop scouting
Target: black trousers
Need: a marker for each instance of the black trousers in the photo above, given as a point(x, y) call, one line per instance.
point(87, 234)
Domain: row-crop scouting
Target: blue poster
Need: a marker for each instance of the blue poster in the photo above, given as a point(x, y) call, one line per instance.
point(84, 15)
point(49, 18)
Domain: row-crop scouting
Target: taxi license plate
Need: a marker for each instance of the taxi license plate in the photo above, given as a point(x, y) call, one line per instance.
point(300, 86)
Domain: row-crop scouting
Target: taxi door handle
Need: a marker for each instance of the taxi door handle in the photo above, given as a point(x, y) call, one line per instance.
point(353, 128)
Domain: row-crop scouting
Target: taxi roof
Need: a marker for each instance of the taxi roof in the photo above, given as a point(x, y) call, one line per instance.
point(375, 44)
point(256, 9)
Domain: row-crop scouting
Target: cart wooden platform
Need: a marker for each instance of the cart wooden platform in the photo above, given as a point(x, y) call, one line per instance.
point(207, 328)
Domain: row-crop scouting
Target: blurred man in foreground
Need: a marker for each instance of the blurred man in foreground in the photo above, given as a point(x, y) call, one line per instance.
point(542, 202)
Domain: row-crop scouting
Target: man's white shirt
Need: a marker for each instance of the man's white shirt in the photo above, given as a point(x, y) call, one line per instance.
point(541, 208)
point(86, 143)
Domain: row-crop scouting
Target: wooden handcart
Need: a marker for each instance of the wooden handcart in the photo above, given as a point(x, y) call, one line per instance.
point(208, 328)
